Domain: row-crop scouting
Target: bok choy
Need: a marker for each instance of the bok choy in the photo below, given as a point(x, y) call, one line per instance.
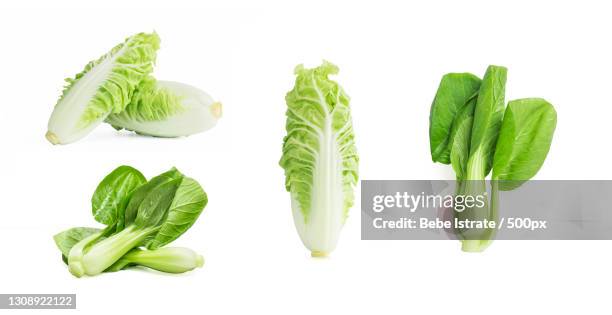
point(137, 213)
point(472, 129)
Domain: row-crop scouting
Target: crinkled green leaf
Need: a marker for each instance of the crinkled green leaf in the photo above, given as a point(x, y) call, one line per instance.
point(150, 103)
point(319, 153)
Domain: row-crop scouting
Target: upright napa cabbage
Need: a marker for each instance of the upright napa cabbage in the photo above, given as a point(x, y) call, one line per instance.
point(319, 157)
point(104, 87)
point(167, 109)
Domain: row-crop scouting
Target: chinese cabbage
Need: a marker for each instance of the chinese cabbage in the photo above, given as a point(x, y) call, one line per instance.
point(167, 109)
point(319, 157)
point(105, 86)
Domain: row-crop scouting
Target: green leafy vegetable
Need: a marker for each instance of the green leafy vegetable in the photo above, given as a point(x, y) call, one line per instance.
point(156, 223)
point(472, 132)
point(487, 120)
point(136, 213)
point(167, 109)
point(524, 141)
point(105, 86)
point(461, 134)
point(142, 192)
point(118, 88)
point(188, 202)
point(453, 93)
point(319, 157)
point(110, 198)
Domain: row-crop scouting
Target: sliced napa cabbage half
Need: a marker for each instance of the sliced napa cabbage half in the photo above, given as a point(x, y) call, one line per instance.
point(167, 109)
point(105, 86)
point(319, 157)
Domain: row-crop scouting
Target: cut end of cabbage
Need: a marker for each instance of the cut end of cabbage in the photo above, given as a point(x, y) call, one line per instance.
point(474, 246)
point(52, 138)
point(199, 261)
point(76, 269)
point(216, 109)
point(319, 254)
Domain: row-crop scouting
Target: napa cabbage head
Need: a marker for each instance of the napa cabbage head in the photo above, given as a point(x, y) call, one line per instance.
point(319, 157)
point(167, 109)
point(105, 86)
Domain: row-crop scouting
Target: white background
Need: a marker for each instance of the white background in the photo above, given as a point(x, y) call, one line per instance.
point(391, 58)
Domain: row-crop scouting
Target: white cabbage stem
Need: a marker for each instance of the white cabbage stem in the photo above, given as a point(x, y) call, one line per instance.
point(198, 112)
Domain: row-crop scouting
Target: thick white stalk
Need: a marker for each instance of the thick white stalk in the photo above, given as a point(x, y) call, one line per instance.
point(65, 122)
point(103, 254)
point(321, 230)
